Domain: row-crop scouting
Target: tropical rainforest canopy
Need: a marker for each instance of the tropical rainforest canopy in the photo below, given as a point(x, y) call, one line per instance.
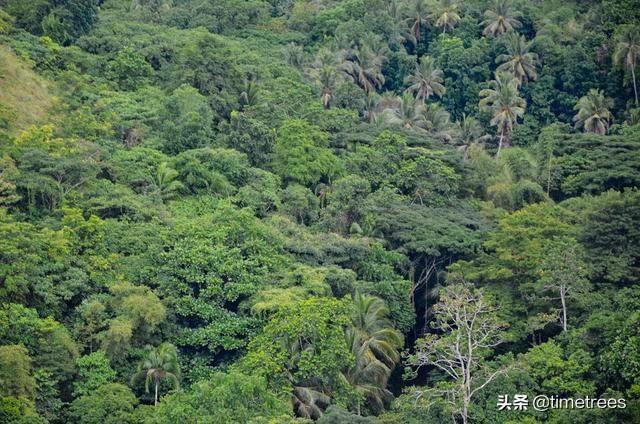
point(345, 211)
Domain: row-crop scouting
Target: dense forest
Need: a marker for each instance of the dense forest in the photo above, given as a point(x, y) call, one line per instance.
point(342, 211)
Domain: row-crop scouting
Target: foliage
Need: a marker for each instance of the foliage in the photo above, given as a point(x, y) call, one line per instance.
point(274, 203)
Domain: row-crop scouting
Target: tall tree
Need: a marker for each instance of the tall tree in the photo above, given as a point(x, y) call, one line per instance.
point(417, 13)
point(466, 330)
point(564, 273)
point(374, 343)
point(501, 18)
point(160, 363)
point(627, 53)
point(593, 112)
point(364, 66)
point(437, 121)
point(165, 183)
point(518, 61)
point(505, 103)
point(445, 15)
point(403, 111)
point(427, 80)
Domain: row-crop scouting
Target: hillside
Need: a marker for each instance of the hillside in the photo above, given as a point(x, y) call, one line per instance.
point(342, 211)
point(25, 97)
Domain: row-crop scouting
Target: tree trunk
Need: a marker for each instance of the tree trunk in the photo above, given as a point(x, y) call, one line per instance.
point(563, 293)
point(156, 400)
point(635, 88)
point(500, 143)
point(549, 174)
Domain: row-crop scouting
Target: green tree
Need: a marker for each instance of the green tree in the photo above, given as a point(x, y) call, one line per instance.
point(16, 378)
point(501, 18)
point(593, 112)
point(165, 183)
point(564, 273)
point(160, 363)
point(445, 15)
point(364, 66)
point(374, 344)
point(427, 80)
point(303, 350)
point(301, 153)
point(417, 15)
point(129, 69)
point(224, 398)
point(112, 403)
point(518, 61)
point(627, 53)
point(94, 371)
point(505, 104)
point(403, 111)
point(186, 121)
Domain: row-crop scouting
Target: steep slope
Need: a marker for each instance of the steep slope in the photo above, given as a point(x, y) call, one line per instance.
point(25, 98)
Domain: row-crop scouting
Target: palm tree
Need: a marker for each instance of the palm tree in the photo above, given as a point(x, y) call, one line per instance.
point(374, 343)
point(427, 80)
point(417, 16)
point(471, 132)
point(593, 112)
point(370, 321)
point(627, 53)
point(323, 191)
point(308, 402)
point(294, 55)
point(504, 101)
point(324, 71)
point(249, 95)
point(518, 61)
point(160, 363)
point(403, 111)
point(437, 121)
point(501, 18)
point(364, 66)
point(445, 15)
point(165, 183)
point(398, 32)
point(327, 78)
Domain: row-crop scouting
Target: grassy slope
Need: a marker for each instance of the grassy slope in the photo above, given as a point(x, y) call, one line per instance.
point(25, 98)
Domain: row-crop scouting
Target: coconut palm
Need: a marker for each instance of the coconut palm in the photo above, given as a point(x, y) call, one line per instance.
point(249, 95)
point(627, 53)
point(370, 321)
point(505, 103)
point(327, 78)
point(309, 403)
point(445, 15)
point(160, 363)
point(364, 66)
point(519, 61)
point(398, 31)
point(165, 183)
point(374, 343)
point(501, 18)
point(437, 122)
point(471, 133)
point(593, 112)
point(367, 377)
point(633, 117)
point(370, 108)
point(294, 55)
point(417, 13)
point(402, 111)
point(427, 80)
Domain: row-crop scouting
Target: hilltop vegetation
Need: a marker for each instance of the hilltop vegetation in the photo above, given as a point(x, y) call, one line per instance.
point(273, 211)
